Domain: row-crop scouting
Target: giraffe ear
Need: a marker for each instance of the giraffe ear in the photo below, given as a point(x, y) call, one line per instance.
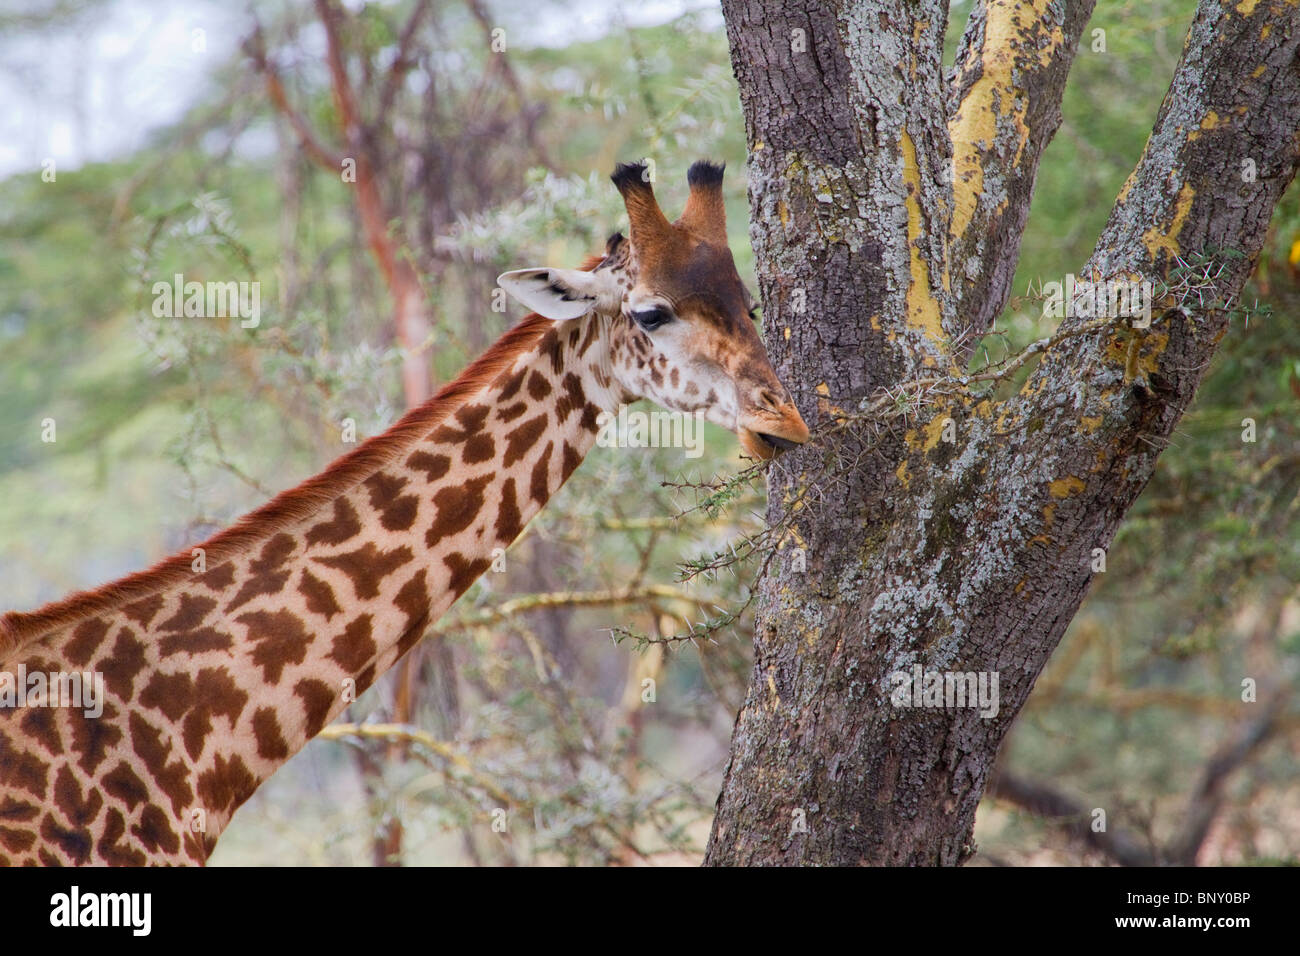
point(561, 294)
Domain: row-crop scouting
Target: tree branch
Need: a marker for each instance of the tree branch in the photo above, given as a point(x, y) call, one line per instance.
point(1005, 95)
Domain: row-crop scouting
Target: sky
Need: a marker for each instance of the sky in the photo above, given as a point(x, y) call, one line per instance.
point(94, 88)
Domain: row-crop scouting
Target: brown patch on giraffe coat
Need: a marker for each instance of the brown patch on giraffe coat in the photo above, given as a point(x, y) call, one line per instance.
point(271, 744)
point(92, 737)
point(464, 571)
point(573, 399)
point(470, 419)
point(144, 610)
point(355, 646)
point(397, 511)
point(74, 844)
point(108, 849)
point(190, 614)
point(267, 574)
point(168, 693)
point(458, 506)
point(79, 808)
point(478, 449)
point(226, 785)
point(413, 598)
point(25, 770)
point(553, 348)
point(511, 412)
point(278, 639)
point(572, 459)
point(367, 566)
point(215, 695)
point(123, 783)
point(86, 639)
point(342, 527)
point(412, 635)
point(122, 665)
point(319, 595)
point(218, 578)
point(539, 486)
point(523, 438)
point(433, 466)
point(365, 679)
point(16, 811)
point(588, 339)
point(512, 386)
point(317, 698)
point(153, 750)
point(155, 831)
point(39, 725)
point(17, 840)
point(538, 386)
point(509, 521)
point(196, 642)
point(198, 846)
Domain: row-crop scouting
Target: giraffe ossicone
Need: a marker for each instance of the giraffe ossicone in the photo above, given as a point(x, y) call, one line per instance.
point(213, 678)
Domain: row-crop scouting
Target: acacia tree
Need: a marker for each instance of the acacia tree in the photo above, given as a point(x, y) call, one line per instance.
point(944, 521)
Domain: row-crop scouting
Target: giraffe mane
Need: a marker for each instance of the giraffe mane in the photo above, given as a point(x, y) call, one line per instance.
point(18, 629)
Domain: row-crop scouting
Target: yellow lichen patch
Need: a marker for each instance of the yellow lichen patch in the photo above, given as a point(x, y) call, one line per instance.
point(875, 322)
point(1032, 384)
point(922, 306)
point(1090, 423)
point(1156, 238)
point(902, 473)
point(1259, 71)
point(1137, 353)
point(823, 388)
point(783, 212)
point(1042, 539)
point(1065, 487)
point(1049, 512)
point(1011, 27)
point(785, 332)
point(933, 432)
point(1212, 121)
point(1247, 7)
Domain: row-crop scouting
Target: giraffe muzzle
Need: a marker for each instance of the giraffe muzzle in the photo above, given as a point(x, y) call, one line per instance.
point(771, 438)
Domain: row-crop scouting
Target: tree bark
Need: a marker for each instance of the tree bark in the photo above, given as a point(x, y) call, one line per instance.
point(962, 540)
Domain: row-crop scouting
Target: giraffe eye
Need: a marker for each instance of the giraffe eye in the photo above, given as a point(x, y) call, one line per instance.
point(651, 319)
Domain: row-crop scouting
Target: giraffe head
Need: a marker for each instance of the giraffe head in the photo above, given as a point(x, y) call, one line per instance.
point(679, 321)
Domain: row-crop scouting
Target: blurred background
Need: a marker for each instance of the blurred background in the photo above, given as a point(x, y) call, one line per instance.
point(144, 138)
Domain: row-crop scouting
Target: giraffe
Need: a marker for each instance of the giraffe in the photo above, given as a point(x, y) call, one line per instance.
point(214, 676)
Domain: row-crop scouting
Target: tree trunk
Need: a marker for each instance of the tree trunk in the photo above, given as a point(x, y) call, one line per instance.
point(959, 538)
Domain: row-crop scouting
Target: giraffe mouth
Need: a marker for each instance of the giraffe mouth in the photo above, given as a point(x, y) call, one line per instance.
point(765, 445)
point(778, 443)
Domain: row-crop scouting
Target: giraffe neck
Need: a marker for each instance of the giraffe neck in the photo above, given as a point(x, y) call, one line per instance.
point(215, 680)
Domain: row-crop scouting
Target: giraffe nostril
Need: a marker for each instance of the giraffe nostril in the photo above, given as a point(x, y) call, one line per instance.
point(767, 399)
